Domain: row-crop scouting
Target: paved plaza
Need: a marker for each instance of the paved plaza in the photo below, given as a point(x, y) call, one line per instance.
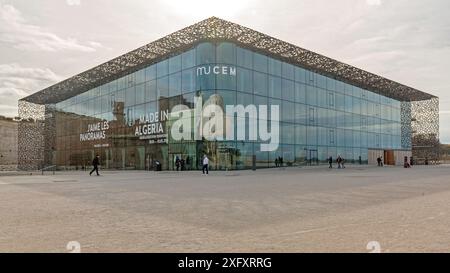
point(274, 210)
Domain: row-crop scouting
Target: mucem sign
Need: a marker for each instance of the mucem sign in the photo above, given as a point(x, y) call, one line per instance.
point(241, 97)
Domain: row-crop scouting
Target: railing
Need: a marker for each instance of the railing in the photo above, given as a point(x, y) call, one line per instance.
point(53, 168)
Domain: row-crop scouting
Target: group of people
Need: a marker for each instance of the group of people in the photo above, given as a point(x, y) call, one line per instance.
point(179, 163)
point(340, 161)
point(279, 161)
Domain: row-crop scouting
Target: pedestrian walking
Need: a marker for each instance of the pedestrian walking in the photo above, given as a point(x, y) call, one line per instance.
point(330, 161)
point(177, 163)
point(95, 164)
point(205, 164)
point(339, 161)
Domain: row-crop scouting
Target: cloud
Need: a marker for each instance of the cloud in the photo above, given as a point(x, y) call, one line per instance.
point(17, 82)
point(73, 2)
point(373, 2)
point(16, 31)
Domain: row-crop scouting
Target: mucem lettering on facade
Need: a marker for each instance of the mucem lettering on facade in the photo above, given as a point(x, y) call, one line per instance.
point(262, 99)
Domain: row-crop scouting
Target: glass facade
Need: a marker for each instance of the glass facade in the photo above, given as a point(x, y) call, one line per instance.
point(319, 116)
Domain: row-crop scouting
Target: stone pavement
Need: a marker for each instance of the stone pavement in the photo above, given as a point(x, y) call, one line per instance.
point(291, 210)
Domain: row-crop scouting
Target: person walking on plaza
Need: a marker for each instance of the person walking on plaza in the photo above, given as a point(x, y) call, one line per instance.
point(177, 163)
point(339, 161)
point(95, 164)
point(330, 161)
point(205, 164)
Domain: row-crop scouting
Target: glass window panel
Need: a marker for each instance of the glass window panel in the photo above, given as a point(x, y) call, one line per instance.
point(150, 73)
point(139, 112)
point(244, 58)
point(348, 138)
point(312, 115)
point(340, 87)
point(150, 91)
point(274, 87)
point(322, 98)
point(188, 80)
point(340, 137)
point(206, 82)
point(288, 112)
point(162, 68)
point(227, 81)
point(206, 53)
point(140, 76)
point(244, 99)
point(259, 100)
point(322, 136)
point(130, 96)
point(356, 139)
point(312, 135)
point(274, 67)
point(331, 84)
point(300, 134)
point(300, 75)
point(348, 89)
point(331, 100)
point(163, 87)
point(300, 92)
point(300, 113)
point(188, 59)
point(321, 81)
point(260, 83)
point(287, 133)
point(175, 64)
point(228, 97)
point(140, 93)
point(226, 53)
point(348, 103)
point(260, 63)
point(287, 71)
point(244, 80)
point(288, 90)
point(206, 95)
point(175, 84)
point(322, 116)
point(311, 95)
point(356, 105)
point(188, 99)
point(340, 102)
point(151, 107)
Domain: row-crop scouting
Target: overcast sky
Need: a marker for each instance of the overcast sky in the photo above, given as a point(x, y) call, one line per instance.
point(45, 41)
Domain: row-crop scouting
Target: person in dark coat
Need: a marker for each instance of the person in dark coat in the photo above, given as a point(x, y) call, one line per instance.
point(339, 162)
point(177, 163)
point(95, 164)
point(330, 161)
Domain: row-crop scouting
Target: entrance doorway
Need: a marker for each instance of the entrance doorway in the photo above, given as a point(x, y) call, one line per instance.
point(389, 158)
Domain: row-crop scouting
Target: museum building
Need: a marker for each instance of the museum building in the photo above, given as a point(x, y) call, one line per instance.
point(152, 106)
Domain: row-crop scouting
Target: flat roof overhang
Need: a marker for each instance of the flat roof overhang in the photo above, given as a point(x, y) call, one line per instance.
point(216, 29)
